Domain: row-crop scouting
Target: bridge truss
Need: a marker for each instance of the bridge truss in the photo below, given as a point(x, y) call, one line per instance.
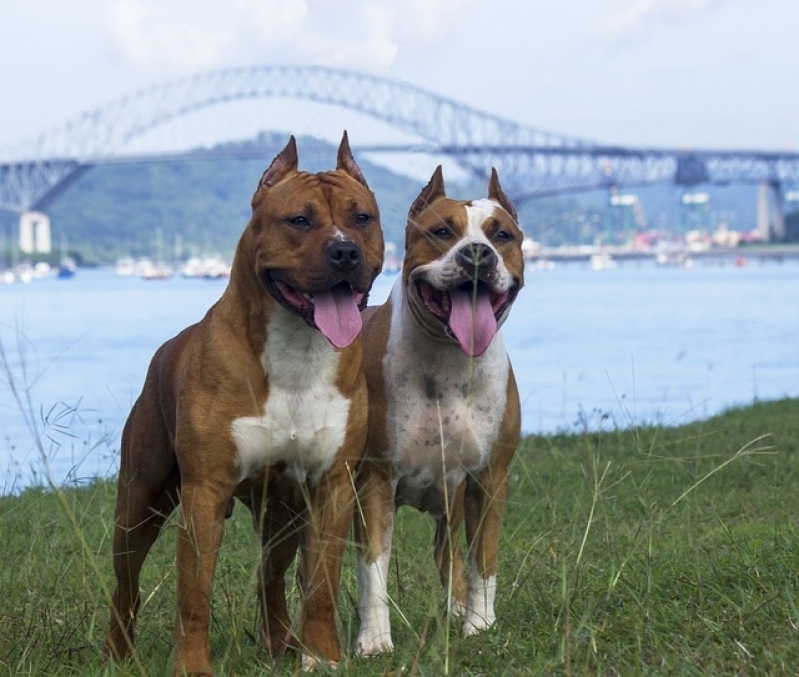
point(531, 162)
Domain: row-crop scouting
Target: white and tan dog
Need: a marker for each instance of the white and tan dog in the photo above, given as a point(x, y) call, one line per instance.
point(264, 399)
point(444, 417)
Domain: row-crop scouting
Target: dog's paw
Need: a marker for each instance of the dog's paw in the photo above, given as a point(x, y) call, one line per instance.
point(374, 644)
point(457, 609)
point(312, 663)
point(474, 623)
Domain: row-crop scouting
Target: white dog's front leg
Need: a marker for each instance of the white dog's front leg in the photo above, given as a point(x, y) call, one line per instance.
point(375, 634)
point(480, 599)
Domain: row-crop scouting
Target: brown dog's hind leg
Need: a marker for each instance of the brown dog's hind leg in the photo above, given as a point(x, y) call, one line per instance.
point(147, 494)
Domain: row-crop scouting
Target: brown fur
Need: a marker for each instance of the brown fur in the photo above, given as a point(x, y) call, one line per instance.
point(177, 446)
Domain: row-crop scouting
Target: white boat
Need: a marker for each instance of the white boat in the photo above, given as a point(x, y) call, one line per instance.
point(154, 271)
point(207, 268)
point(126, 266)
point(602, 261)
point(676, 259)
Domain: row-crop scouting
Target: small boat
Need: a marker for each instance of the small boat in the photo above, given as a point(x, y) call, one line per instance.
point(67, 269)
point(602, 261)
point(126, 266)
point(208, 268)
point(156, 271)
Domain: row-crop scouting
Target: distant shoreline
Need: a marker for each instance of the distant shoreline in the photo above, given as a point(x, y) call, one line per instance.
point(775, 253)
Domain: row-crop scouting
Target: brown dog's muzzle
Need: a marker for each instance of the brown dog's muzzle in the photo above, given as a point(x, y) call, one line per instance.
point(344, 255)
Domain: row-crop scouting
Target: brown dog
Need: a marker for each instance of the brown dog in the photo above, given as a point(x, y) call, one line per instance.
point(264, 399)
point(444, 414)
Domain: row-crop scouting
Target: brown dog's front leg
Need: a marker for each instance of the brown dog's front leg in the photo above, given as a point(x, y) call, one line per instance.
point(279, 542)
point(199, 538)
point(330, 514)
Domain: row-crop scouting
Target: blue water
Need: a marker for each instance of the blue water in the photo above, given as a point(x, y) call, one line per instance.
point(591, 349)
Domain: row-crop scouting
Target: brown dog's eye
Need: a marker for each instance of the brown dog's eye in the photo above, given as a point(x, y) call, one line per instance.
point(300, 221)
point(362, 219)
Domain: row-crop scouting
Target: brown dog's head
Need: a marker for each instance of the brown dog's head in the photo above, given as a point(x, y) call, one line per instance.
point(314, 241)
point(463, 263)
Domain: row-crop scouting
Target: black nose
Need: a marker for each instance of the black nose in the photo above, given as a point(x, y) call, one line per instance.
point(344, 255)
point(476, 255)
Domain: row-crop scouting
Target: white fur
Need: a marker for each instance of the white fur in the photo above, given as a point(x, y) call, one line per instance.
point(477, 213)
point(452, 433)
point(305, 416)
point(480, 598)
point(375, 633)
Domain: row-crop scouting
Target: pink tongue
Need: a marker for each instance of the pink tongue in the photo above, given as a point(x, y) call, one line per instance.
point(337, 316)
point(472, 320)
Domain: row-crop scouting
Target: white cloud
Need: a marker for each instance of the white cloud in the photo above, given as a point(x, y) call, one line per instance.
point(636, 18)
point(352, 35)
point(183, 36)
point(167, 36)
point(274, 21)
point(434, 19)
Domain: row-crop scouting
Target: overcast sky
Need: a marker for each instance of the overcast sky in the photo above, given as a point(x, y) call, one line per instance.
point(666, 73)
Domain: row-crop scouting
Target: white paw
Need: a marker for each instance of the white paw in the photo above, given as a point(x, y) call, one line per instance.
point(475, 623)
point(457, 609)
point(311, 663)
point(374, 644)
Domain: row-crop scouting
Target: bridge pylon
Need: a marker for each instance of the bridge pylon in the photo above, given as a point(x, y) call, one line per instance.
point(770, 212)
point(34, 233)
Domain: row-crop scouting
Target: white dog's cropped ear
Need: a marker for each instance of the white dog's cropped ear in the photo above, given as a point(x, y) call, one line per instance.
point(430, 193)
point(347, 163)
point(495, 192)
point(285, 161)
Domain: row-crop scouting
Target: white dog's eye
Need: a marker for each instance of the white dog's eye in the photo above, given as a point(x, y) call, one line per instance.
point(442, 233)
point(503, 236)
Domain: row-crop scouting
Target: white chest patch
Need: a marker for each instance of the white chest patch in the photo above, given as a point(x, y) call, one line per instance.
point(304, 419)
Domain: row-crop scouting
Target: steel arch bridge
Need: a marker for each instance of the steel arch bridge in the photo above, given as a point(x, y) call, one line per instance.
point(531, 162)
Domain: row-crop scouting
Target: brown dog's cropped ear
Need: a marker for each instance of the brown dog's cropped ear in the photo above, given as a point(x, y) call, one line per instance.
point(431, 192)
point(285, 161)
point(346, 162)
point(495, 192)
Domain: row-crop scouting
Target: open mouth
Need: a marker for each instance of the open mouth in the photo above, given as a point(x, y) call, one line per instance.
point(336, 312)
point(469, 312)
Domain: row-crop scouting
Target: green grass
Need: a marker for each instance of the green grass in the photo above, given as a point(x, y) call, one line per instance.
point(666, 551)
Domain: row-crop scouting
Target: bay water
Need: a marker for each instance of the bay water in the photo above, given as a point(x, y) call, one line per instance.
point(639, 344)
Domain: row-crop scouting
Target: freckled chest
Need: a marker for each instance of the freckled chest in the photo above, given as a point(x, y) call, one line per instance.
point(443, 407)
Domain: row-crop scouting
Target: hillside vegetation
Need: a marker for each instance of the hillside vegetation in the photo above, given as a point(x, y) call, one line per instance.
point(115, 210)
point(145, 208)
